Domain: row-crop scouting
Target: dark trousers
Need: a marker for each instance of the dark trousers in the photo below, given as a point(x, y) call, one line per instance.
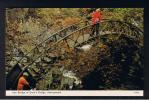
point(96, 29)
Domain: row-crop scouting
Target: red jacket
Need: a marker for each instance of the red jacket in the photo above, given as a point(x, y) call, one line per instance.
point(96, 17)
point(21, 83)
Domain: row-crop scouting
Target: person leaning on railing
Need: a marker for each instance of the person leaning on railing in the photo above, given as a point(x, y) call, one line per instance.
point(96, 19)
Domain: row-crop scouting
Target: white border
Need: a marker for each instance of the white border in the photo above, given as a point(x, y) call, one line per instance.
point(75, 93)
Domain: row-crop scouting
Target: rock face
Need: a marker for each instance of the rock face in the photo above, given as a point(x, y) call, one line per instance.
point(113, 62)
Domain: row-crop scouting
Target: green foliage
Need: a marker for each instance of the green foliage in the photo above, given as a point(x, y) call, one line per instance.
point(131, 15)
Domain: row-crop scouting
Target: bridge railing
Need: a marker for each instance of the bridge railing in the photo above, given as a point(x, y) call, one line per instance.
point(41, 47)
point(83, 34)
point(120, 27)
point(74, 35)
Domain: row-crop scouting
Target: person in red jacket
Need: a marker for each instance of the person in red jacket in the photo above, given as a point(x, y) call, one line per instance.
point(96, 18)
point(22, 81)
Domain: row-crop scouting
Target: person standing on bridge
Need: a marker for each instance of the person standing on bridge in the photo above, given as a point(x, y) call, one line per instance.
point(22, 83)
point(96, 18)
